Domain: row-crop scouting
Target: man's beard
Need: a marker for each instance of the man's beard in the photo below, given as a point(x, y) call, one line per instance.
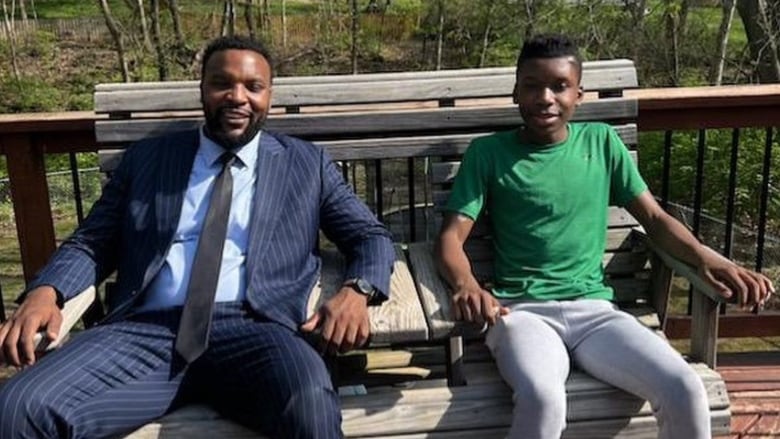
point(214, 130)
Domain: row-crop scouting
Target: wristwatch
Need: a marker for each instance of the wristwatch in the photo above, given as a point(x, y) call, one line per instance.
point(363, 287)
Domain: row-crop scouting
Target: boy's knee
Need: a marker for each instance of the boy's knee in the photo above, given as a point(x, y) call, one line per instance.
point(539, 401)
point(686, 394)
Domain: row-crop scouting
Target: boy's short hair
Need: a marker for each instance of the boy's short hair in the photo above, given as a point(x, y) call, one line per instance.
point(550, 46)
point(234, 43)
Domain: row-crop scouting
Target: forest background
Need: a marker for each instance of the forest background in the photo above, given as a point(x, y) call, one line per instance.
point(53, 52)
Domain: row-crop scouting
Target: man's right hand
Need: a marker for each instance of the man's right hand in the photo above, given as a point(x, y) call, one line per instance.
point(473, 304)
point(39, 311)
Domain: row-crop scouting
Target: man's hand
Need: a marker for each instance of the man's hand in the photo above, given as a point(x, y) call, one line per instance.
point(473, 304)
point(751, 288)
point(342, 321)
point(38, 311)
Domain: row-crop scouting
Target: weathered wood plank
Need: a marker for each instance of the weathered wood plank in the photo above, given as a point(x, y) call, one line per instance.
point(399, 320)
point(365, 88)
point(321, 125)
point(486, 403)
point(445, 172)
point(381, 147)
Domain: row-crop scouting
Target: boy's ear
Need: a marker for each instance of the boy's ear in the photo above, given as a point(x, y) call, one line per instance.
point(580, 94)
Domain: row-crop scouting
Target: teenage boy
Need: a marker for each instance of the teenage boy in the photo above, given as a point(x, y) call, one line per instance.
point(547, 186)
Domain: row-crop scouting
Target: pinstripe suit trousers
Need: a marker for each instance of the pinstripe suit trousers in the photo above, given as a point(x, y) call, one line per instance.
point(113, 378)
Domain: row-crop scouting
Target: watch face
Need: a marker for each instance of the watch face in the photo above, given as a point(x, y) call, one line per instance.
point(365, 287)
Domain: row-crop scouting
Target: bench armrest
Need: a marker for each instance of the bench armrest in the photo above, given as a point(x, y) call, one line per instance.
point(72, 311)
point(705, 304)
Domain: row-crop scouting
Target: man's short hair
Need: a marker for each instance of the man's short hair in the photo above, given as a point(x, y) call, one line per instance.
point(234, 43)
point(550, 46)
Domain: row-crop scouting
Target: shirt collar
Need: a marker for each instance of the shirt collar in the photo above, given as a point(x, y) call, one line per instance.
point(247, 153)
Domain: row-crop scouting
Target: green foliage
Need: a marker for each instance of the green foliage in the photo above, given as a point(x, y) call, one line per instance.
point(68, 8)
point(717, 158)
point(29, 94)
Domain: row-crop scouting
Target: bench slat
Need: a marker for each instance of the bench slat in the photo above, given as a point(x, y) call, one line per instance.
point(445, 172)
point(321, 125)
point(384, 147)
point(399, 320)
point(357, 89)
point(487, 403)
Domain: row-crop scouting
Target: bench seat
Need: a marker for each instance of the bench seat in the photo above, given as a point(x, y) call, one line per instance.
point(483, 408)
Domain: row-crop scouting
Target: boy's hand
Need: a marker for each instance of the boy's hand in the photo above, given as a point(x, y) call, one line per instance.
point(474, 304)
point(751, 288)
point(38, 311)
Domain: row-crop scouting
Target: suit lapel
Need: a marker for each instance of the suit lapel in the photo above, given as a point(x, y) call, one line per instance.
point(270, 192)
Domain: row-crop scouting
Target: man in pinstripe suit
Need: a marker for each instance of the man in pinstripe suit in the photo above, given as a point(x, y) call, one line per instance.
point(258, 368)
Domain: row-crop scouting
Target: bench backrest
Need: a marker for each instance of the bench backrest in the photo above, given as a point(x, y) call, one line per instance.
point(381, 115)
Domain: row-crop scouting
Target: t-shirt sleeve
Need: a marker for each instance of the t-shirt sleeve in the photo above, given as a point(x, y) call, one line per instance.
point(626, 182)
point(469, 190)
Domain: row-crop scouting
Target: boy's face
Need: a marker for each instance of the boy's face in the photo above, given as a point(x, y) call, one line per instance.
point(547, 92)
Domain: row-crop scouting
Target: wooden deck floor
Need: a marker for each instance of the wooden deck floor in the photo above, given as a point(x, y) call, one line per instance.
point(753, 383)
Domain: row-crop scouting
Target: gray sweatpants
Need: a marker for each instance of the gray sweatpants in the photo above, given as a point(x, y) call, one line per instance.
point(534, 345)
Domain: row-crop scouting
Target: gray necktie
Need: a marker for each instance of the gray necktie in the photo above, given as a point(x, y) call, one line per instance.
point(192, 338)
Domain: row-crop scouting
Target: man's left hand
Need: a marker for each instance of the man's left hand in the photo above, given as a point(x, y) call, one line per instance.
point(342, 321)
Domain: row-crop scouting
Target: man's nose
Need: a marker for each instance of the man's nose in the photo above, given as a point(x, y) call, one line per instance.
point(237, 94)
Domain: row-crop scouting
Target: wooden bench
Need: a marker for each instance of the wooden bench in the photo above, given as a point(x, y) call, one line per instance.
point(431, 115)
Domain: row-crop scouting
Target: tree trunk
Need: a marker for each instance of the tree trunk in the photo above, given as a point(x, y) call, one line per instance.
point(23, 11)
point(284, 25)
point(249, 17)
point(486, 32)
point(355, 29)
point(11, 35)
point(760, 39)
point(440, 35)
point(267, 21)
point(34, 12)
point(716, 74)
point(162, 66)
point(228, 19)
point(173, 8)
point(116, 34)
point(144, 28)
point(530, 14)
point(636, 10)
point(672, 25)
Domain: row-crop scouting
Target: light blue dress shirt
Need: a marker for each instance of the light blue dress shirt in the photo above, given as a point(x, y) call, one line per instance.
point(169, 287)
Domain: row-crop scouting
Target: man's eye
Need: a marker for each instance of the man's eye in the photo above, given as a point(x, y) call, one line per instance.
point(219, 84)
point(255, 87)
point(561, 86)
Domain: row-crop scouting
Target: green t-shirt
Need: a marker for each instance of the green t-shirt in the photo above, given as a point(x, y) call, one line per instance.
point(548, 207)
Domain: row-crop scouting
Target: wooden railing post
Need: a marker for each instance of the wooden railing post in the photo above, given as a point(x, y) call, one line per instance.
point(30, 195)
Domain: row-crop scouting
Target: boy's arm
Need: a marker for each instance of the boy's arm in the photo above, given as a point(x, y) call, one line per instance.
point(727, 277)
point(471, 302)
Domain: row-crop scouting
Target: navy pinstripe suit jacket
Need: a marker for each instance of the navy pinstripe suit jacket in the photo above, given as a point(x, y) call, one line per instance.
point(299, 191)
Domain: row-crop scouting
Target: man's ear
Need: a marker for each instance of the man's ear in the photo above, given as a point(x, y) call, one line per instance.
point(514, 94)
